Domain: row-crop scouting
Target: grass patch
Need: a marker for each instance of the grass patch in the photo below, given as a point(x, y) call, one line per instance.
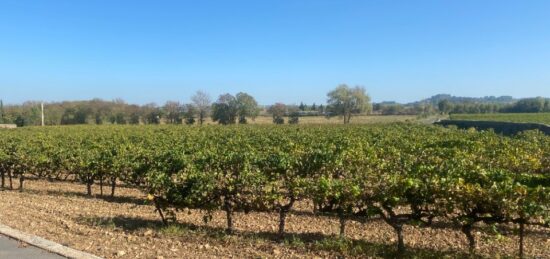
point(174, 230)
point(106, 222)
point(543, 118)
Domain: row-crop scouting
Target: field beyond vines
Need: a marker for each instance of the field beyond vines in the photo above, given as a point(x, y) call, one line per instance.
point(359, 119)
point(543, 118)
point(383, 191)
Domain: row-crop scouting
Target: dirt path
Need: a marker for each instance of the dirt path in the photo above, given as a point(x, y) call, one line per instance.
point(127, 227)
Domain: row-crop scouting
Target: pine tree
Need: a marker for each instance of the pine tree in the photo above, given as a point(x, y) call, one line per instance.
point(302, 106)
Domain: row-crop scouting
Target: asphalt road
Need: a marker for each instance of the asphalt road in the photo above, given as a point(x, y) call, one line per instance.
point(12, 249)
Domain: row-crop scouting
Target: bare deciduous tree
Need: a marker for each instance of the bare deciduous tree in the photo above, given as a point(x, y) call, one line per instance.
point(202, 103)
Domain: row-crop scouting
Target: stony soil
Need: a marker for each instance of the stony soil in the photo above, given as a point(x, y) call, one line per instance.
point(128, 227)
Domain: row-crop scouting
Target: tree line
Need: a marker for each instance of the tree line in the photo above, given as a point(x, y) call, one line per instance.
point(343, 101)
point(446, 105)
point(227, 109)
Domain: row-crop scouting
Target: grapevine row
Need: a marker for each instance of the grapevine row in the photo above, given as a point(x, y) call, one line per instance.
point(404, 174)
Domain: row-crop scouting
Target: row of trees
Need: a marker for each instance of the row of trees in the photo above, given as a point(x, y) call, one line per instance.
point(227, 109)
point(98, 111)
point(402, 174)
point(538, 104)
point(528, 105)
point(343, 101)
point(447, 104)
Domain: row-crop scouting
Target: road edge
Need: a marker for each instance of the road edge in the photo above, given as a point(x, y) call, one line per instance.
point(44, 244)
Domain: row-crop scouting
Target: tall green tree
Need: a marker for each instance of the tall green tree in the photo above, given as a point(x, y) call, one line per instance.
point(302, 106)
point(445, 106)
point(246, 107)
point(529, 105)
point(228, 108)
point(346, 101)
point(152, 113)
point(224, 110)
point(190, 113)
point(173, 112)
point(278, 112)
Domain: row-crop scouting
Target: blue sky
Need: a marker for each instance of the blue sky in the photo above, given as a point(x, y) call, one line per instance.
point(278, 51)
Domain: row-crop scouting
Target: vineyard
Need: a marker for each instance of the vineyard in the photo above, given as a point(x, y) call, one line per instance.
point(405, 175)
point(543, 118)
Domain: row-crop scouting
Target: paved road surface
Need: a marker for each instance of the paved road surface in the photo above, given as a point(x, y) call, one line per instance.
point(11, 249)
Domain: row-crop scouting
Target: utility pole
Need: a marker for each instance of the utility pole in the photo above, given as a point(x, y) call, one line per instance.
point(42, 106)
point(2, 111)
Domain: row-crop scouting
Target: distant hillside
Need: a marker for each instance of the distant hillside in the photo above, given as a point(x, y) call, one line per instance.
point(434, 100)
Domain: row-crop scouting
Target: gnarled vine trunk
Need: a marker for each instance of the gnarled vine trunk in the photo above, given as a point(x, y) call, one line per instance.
point(89, 182)
point(342, 220)
point(396, 222)
point(113, 186)
point(21, 181)
point(10, 176)
point(3, 179)
point(101, 185)
point(228, 207)
point(467, 230)
point(159, 210)
point(521, 235)
point(400, 243)
point(283, 212)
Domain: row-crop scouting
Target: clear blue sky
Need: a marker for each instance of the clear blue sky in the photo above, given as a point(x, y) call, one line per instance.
point(288, 51)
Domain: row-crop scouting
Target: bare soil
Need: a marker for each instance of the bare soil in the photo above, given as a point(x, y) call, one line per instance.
point(128, 227)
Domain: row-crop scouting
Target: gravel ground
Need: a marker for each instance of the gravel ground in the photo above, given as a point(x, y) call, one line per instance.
point(127, 227)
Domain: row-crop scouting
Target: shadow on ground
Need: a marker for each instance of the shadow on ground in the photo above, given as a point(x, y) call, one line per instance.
point(306, 241)
point(108, 198)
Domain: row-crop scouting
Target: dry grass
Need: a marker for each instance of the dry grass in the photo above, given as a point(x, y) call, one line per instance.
point(361, 119)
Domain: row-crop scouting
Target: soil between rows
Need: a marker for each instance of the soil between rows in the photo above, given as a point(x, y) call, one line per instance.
point(128, 227)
